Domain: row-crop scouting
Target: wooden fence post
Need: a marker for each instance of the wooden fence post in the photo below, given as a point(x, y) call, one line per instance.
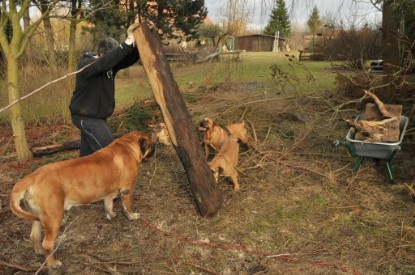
point(178, 121)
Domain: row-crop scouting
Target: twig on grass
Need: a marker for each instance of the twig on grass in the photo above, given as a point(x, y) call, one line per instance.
point(20, 267)
point(245, 104)
point(153, 174)
point(267, 135)
point(302, 168)
point(111, 270)
point(253, 131)
point(204, 269)
point(296, 143)
point(410, 188)
point(97, 267)
point(279, 161)
point(260, 163)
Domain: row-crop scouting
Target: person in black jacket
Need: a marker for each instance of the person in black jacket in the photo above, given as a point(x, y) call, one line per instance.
point(93, 99)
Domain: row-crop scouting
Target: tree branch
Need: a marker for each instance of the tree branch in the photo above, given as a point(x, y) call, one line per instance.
point(37, 90)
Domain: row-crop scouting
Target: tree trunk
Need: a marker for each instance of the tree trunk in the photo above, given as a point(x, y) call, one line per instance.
point(178, 121)
point(26, 24)
point(49, 36)
point(390, 48)
point(16, 119)
point(72, 36)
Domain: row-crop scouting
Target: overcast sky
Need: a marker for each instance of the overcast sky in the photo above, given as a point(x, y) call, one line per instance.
point(259, 11)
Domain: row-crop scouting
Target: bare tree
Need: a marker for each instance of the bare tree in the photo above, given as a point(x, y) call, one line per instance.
point(236, 14)
point(390, 42)
point(12, 12)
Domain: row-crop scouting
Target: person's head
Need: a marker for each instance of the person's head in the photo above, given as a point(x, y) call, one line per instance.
point(106, 45)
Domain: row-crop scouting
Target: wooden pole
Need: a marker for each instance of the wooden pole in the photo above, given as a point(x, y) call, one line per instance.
point(178, 120)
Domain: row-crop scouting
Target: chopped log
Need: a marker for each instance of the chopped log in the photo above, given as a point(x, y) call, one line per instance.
point(380, 105)
point(178, 120)
point(386, 130)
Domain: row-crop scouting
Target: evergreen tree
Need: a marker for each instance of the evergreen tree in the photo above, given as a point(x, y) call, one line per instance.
point(279, 20)
point(180, 18)
point(314, 24)
point(189, 17)
point(107, 19)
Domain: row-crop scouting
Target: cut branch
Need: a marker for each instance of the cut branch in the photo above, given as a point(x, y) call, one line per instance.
point(382, 109)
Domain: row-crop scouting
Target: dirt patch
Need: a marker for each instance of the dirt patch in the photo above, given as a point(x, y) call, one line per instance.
point(300, 210)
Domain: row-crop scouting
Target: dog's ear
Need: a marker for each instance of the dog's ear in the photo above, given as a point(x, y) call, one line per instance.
point(144, 144)
point(147, 147)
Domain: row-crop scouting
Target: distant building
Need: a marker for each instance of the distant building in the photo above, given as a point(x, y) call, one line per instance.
point(258, 43)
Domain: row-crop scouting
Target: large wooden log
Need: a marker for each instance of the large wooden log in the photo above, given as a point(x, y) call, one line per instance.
point(178, 120)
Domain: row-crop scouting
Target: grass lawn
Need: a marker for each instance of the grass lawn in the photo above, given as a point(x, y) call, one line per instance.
point(302, 77)
point(132, 84)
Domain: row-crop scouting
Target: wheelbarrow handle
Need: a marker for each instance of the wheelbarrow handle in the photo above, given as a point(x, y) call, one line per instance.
point(347, 145)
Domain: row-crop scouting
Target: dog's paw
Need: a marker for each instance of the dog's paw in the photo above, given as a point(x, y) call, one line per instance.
point(39, 251)
point(55, 264)
point(133, 216)
point(110, 216)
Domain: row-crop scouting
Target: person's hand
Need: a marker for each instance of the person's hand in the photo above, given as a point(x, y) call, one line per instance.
point(153, 27)
point(130, 36)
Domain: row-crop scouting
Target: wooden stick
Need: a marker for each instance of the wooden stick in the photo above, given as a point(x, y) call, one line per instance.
point(204, 269)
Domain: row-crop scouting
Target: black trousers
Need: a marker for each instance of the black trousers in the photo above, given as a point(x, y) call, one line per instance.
point(95, 134)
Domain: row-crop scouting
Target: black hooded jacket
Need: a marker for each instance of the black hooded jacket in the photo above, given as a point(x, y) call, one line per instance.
point(94, 90)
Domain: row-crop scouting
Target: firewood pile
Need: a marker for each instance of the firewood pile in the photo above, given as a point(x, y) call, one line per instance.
point(381, 122)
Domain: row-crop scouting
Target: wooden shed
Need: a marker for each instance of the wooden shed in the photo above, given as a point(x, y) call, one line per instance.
point(257, 43)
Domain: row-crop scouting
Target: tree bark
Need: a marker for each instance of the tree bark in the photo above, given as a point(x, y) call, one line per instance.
point(49, 35)
point(178, 121)
point(390, 48)
point(72, 35)
point(26, 24)
point(16, 119)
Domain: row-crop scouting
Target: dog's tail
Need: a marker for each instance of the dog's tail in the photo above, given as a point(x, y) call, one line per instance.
point(16, 196)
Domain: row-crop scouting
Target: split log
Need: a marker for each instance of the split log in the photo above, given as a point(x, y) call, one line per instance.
point(377, 131)
point(178, 120)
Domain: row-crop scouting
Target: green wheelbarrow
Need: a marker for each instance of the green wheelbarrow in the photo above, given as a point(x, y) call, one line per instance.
point(376, 150)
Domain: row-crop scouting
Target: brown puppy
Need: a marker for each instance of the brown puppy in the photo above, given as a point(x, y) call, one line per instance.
point(224, 163)
point(214, 135)
point(56, 187)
